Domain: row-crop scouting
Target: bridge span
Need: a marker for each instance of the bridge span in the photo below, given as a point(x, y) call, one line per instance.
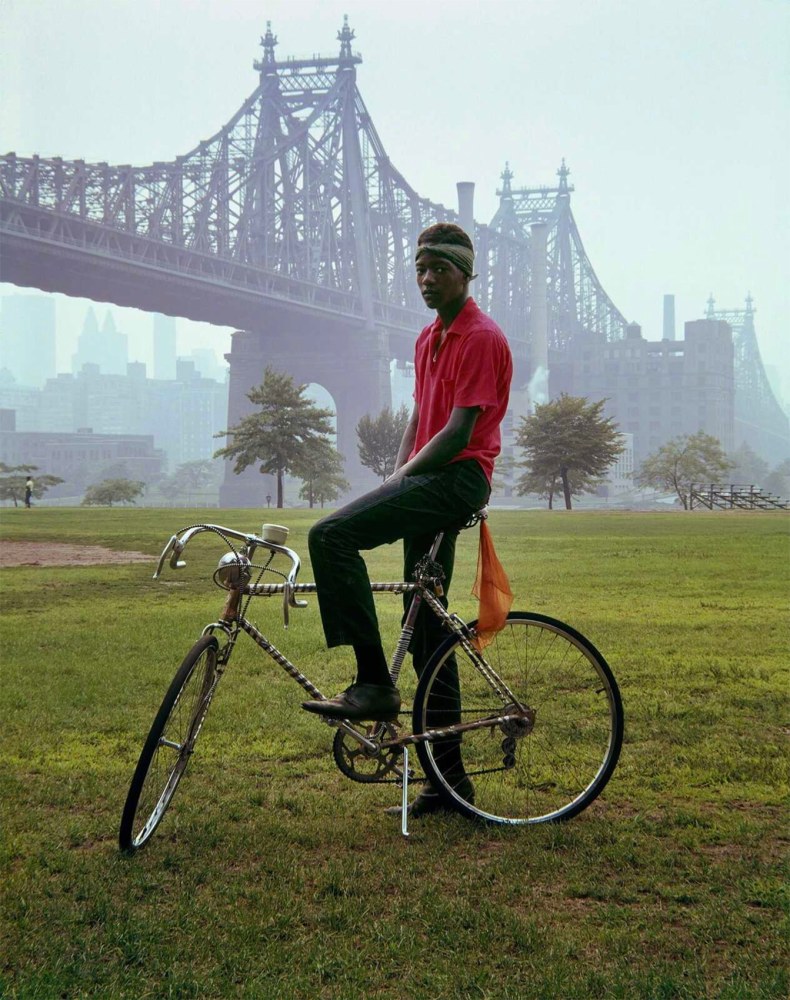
point(292, 225)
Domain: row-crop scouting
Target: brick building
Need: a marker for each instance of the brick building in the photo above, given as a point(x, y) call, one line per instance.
point(657, 390)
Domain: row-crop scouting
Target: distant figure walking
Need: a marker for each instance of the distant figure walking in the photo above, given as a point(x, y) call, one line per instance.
point(28, 492)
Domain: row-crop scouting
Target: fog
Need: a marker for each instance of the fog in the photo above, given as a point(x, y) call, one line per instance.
point(672, 117)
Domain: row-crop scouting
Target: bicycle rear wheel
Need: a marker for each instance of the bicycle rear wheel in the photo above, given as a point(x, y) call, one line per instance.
point(562, 739)
point(170, 744)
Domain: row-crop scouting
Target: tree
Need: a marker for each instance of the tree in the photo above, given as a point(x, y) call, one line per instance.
point(111, 491)
point(192, 478)
point(503, 474)
point(13, 478)
point(686, 459)
point(778, 480)
point(321, 473)
point(115, 470)
point(747, 466)
point(544, 485)
point(567, 442)
point(380, 438)
point(280, 433)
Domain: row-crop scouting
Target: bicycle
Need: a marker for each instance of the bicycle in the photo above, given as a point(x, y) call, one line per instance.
point(537, 714)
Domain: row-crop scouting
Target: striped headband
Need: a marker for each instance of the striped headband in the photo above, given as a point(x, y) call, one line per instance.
point(462, 257)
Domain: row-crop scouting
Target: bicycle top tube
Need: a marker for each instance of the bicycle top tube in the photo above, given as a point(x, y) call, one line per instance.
point(178, 542)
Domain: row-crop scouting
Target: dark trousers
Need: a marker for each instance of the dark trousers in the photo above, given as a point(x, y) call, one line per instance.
point(414, 509)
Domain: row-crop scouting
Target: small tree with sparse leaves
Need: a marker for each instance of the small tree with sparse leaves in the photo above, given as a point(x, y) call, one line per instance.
point(380, 438)
point(321, 473)
point(192, 479)
point(14, 477)
point(747, 466)
point(111, 491)
point(686, 459)
point(778, 480)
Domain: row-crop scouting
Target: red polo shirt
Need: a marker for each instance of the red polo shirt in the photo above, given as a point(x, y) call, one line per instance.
point(473, 368)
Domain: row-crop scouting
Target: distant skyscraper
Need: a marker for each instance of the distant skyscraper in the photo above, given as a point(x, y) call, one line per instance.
point(27, 338)
point(164, 346)
point(87, 343)
point(106, 348)
point(669, 317)
point(182, 415)
point(206, 363)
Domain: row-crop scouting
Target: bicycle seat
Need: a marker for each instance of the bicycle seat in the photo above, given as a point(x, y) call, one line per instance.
point(476, 518)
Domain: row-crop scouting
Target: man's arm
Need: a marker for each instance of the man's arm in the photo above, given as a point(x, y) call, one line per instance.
point(441, 449)
point(408, 439)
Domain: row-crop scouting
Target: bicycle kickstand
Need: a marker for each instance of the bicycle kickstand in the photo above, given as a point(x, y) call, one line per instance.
point(404, 813)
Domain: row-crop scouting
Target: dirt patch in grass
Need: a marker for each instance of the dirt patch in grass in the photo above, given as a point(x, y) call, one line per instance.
point(63, 554)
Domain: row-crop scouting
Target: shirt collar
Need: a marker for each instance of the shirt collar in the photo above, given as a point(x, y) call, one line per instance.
point(460, 325)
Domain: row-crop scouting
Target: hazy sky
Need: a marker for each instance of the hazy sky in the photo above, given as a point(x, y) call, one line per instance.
point(672, 115)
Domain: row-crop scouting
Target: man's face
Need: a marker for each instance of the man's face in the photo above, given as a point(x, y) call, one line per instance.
point(441, 282)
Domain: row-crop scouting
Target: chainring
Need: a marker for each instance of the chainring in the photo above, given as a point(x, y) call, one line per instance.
point(368, 766)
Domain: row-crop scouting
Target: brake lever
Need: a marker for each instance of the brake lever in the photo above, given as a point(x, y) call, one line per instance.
point(178, 548)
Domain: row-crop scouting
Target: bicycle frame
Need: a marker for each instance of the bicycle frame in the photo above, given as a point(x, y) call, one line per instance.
point(425, 588)
point(546, 661)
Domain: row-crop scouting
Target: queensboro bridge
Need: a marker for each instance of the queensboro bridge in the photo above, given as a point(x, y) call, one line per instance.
point(292, 225)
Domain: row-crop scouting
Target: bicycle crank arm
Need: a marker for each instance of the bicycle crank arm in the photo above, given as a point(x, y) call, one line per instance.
point(372, 745)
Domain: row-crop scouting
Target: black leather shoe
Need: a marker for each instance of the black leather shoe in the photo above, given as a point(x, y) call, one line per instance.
point(372, 702)
point(429, 801)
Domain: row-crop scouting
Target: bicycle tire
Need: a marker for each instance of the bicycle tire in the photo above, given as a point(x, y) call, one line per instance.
point(547, 770)
point(169, 745)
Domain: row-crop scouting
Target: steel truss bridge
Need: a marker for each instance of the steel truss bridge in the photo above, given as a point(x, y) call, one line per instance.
point(292, 224)
point(293, 204)
point(759, 418)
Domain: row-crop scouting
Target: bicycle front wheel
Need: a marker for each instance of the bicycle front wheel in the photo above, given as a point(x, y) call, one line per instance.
point(561, 735)
point(170, 744)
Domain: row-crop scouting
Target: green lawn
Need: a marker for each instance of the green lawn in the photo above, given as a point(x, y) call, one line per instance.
point(273, 876)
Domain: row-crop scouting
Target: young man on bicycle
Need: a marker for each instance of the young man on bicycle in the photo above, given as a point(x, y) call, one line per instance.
point(463, 369)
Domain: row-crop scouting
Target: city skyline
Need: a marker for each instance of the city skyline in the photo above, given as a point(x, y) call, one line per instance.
point(76, 314)
point(665, 112)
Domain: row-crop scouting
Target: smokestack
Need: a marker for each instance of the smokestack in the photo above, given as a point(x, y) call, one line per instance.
point(538, 300)
point(669, 317)
point(466, 207)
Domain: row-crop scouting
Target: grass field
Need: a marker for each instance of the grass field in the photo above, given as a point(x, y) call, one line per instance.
point(273, 876)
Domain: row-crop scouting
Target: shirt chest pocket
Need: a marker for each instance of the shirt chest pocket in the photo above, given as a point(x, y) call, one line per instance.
point(447, 393)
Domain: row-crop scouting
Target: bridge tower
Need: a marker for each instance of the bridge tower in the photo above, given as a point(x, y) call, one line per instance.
point(759, 419)
point(564, 298)
point(350, 360)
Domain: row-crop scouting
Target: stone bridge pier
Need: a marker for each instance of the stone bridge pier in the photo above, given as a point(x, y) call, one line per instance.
point(352, 365)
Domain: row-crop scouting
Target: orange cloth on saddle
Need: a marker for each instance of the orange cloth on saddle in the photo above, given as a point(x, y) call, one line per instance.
point(492, 589)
